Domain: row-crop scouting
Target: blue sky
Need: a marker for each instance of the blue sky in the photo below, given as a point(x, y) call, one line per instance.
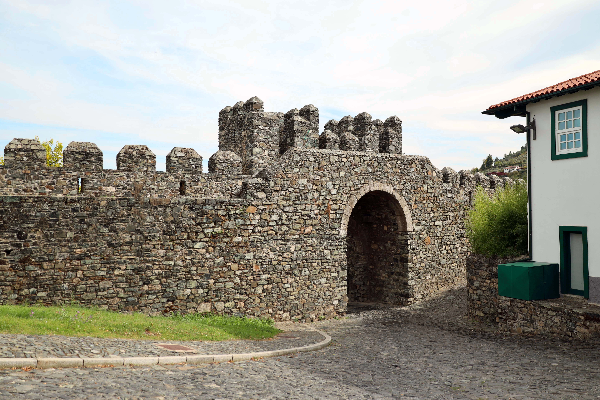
point(157, 72)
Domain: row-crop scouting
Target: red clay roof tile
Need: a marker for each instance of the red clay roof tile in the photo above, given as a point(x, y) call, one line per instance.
point(559, 87)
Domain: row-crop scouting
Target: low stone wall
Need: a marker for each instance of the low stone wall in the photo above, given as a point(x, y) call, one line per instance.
point(566, 317)
point(482, 286)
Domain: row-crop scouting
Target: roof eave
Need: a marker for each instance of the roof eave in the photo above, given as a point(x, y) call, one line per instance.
point(518, 109)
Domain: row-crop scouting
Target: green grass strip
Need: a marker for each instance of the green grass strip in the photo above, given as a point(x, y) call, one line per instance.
point(94, 322)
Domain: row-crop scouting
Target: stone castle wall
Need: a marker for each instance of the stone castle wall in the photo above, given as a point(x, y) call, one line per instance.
point(279, 227)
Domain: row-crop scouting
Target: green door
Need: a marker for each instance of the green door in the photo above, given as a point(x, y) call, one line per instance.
point(573, 260)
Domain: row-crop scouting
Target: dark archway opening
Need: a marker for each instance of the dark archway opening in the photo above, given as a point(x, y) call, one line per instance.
point(377, 251)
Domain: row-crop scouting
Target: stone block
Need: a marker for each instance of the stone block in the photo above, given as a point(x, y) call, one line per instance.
point(140, 360)
point(102, 362)
point(346, 124)
point(242, 357)
point(223, 357)
point(184, 161)
point(329, 141)
point(331, 125)
point(136, 158)
point(390, 139)
point(364, 130)
point(254, 104)
point(83, 156)
point(450, 176)
point(200, 359)
point(172, 360)
point(482, 180)
point(6, 363)
point(496, 182)
point(225, 162)
point(348, 142)
point(59, 362)
point(467, 180)
point(298, 131)
point(24, 154)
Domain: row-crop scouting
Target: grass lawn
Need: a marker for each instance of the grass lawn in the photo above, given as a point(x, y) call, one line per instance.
point(81, 321)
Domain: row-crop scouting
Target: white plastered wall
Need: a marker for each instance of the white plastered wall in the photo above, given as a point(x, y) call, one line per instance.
point(565, 192)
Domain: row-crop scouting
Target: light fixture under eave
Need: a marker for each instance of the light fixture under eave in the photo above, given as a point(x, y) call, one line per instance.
point(522, 129)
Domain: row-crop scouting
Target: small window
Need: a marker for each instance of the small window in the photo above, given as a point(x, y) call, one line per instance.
point(182, 188)
point(569, 130)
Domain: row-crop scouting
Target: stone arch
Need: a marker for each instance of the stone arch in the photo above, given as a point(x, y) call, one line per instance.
point(377, 231)
point(374, 186)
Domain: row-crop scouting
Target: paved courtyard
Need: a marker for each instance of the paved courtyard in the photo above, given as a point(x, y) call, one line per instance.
point(425, 352)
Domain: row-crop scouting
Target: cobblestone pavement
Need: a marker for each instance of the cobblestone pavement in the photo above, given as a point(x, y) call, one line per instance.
point(29, 346)
point(421, 352)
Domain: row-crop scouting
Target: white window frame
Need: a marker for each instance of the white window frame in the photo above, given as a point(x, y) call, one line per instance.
point(566, 131)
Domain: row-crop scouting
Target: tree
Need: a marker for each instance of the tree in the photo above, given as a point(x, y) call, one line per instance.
point(489, 162)
point(53, 155)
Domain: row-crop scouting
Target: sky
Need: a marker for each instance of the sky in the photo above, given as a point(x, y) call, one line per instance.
point(158, 72)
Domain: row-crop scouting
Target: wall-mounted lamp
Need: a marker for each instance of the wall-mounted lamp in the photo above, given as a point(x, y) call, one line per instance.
point(523, 129)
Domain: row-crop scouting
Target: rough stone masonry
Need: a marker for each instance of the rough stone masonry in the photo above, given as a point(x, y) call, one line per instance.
point(288, 223)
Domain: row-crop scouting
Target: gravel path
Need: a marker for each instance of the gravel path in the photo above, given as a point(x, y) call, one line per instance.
point(428, 351)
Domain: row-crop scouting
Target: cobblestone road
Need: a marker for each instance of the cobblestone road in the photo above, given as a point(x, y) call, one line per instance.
point(419, 353)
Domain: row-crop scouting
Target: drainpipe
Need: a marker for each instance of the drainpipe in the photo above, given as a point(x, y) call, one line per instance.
point(529, 185)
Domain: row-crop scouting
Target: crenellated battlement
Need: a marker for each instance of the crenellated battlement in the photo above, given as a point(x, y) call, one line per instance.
point(24, 153)
point(362, 133)
point(83, 156)
point(25, 172)
point(259, 137)
point(136, 158)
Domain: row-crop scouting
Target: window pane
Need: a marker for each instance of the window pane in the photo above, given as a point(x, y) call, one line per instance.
point(577, 143)
point(561, 125)
point(569, 124)
point(570, 136)
point(569, 115)
point(563, 146)
point(576, 123)
point(576, 113)
point(569, 145)
point(563, 138)
point(561, 116)
point(577, 135)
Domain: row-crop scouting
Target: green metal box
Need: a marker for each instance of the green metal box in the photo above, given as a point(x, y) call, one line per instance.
point(528, 280)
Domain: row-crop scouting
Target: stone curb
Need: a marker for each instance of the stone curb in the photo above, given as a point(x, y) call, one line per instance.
point(164, 360)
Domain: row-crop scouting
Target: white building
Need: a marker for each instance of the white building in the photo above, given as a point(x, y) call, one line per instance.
point(564, 191)
point(512, 168)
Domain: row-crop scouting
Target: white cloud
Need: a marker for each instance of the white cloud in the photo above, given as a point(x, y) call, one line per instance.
point(166, 69)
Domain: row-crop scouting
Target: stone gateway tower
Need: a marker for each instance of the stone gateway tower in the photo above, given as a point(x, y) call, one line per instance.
point(287, 223)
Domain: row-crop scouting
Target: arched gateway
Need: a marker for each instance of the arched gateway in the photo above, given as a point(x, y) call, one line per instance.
point(377, 230)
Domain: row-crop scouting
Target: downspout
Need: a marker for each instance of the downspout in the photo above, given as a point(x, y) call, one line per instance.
point(529, 185)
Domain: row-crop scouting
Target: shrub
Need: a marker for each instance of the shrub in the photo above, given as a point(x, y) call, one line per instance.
point(497, 225)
